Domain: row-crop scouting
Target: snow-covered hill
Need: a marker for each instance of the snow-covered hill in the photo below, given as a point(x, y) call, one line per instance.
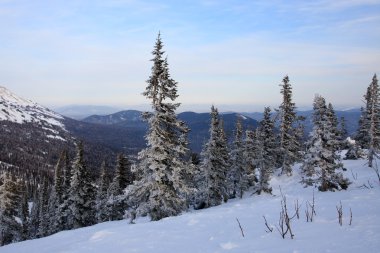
point(216, 229)
point(33, 136)
point(19, 110)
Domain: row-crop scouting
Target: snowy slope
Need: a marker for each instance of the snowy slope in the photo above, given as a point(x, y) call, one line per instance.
point(16, 109)
point(216, 229)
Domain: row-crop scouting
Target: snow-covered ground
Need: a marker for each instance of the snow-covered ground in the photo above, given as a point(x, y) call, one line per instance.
point(217, 230)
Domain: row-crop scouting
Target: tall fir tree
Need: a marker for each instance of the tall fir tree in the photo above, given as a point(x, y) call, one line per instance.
point(102, 213)
point(250, 156)
point(343, 133)
point(24, 211)
point(267, 152)
point(322, 160)
point(159, 191)
point(373, 116)
point(361, 137)
point(81, 201)
point(34, 220)
point(43, 228)
point(122, 178)
point(56, 195)
point(212, 184)
point(289, 144)
point(61, 221)
point(237, 174)
point(10, 229)
point(334, 124)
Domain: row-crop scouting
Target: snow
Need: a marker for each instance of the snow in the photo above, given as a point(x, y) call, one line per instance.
point(216, 229)
point(243, 117)
point(55, 137)
point(19, 110)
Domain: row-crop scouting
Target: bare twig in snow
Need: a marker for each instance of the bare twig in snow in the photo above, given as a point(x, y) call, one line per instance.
point(340, 213)
point(297, 209)
point(270, 229)
point(354, 176)
point(284, 225)
point(241, 229)
point(350, 217)
point(310, 213)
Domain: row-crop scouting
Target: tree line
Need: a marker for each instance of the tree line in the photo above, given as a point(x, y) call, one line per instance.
point(167, 179)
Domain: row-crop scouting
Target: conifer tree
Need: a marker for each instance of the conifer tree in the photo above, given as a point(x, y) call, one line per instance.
point(10, 229)
point(213, 181)
point(102, 213)
point(24, 212)
point(81, 200)
point(322, 161)
point(289, 144)
point(250, 156)
point(224, 150)
point(361, 136)
point(43, 228)
point(373, 117)
point(34, 220)
point(62, 213)
point(56, 195)
point(237, 175)
point(267, 151)
point(334, 124)
point(343, 133)
point(159, 191)
point(122, 178)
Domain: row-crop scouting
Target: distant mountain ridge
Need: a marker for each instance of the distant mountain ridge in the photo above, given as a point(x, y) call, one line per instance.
point(33, 136)
point(198, 123)
point(82, 111)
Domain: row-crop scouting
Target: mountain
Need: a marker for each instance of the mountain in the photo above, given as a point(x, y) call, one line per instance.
point(83, 111)
point(19, 110)
point(128, 117)
point(126, 129)
point(32, 136)
point(221, 228)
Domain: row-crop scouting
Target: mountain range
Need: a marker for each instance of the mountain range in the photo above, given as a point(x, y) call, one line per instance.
point(32, 136)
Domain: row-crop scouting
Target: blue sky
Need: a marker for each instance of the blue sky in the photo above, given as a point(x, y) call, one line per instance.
point(230, 53)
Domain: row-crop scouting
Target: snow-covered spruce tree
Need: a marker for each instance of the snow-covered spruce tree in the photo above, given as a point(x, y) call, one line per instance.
point(361, 137)
point(237, 175)
point(321, 159)
point(56, 195)
point(160, 188)
point(10, 229)
point(81, 200)
point(101, 195)
point(250, 156)
point(373, 117)
point(343, 133)
point(122, 178)
point(44, 190)
point(354, 152)
point(62, 213)
point(34, 216)
point(224, 150)
point(267, 151)
point(212, 183)
point(334, 124)
point(289, 145)
point(24, 212)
